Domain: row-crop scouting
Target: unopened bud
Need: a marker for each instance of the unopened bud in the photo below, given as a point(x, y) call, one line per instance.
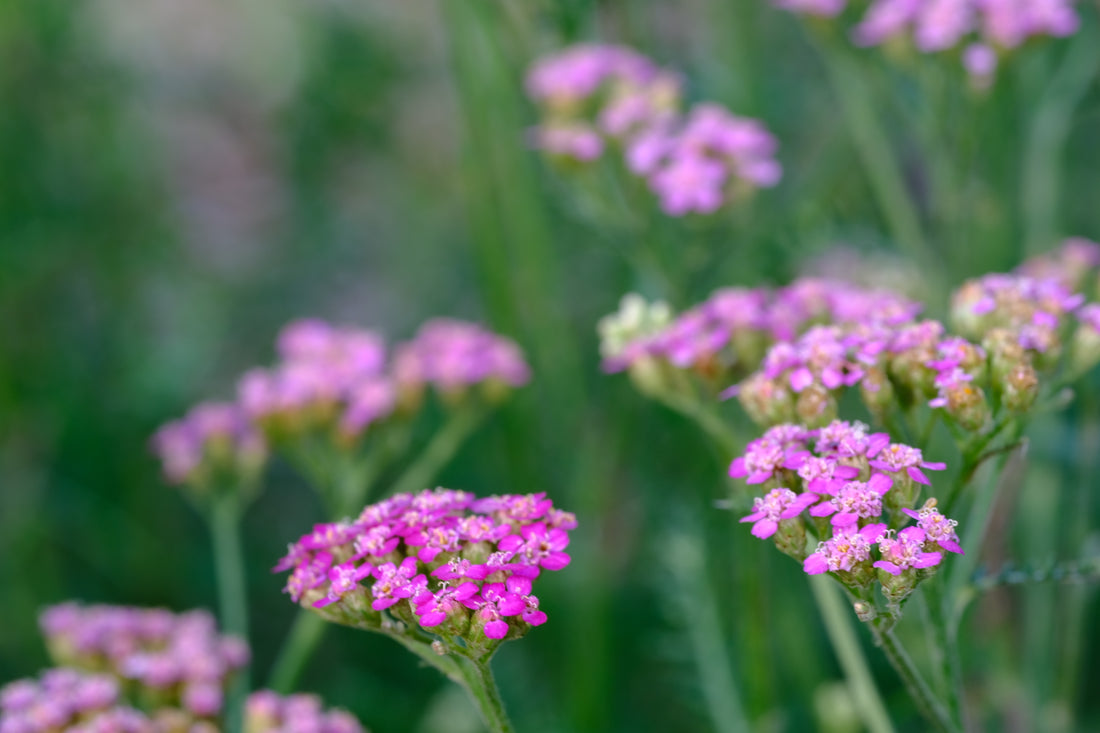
point(876, 390)
point(816, 406)
point(440, 648)
point(1021, 387)
point(968, 406)
point(864, 611)
point(766, 402)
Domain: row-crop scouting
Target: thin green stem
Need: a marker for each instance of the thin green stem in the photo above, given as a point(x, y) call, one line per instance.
point(945, 649)
point(303, 638)
point(225, 518)
point(921, 693)
point(702, 622)
point(440, 450)
point(1040, 190)
point(479, 682)
point(873, 147)
point(837, 617)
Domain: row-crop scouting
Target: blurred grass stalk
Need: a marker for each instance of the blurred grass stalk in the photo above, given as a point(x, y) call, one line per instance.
point(873, 145)
point(224, 518)
point(1054, 98)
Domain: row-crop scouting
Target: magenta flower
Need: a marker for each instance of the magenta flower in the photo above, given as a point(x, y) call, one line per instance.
point(343, 579)
point(937, 528)
point(433, 609)
point(847, 548)
point(905, 551)
point(393, 583)
point(825, 475)
point(538, 546)
point(899, 456)
point(763, 459)
point(855, 500)
point(777, 504)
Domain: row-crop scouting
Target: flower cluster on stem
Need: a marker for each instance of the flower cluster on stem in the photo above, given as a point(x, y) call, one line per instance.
point(838, 484)
point(269, 712)
point(442, 561)
point(595, 96)
point(178, 661)
point(984, 30)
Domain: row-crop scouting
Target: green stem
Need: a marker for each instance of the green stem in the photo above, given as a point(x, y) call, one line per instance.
point(873, 147)
point(946, 650)
point(919, 690)
point(225, 518)
point(303, 638)
point(702, 622)
point(440, 450)
point(1040, 191)
point(836, 615)
point(478, 680)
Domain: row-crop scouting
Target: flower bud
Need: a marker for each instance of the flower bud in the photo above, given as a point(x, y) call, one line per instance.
point(864, 611)
point(766, 402)
point(816, 406)
point(968, 406)
point(790, 538)
point(876, 390)
point(1021, 387)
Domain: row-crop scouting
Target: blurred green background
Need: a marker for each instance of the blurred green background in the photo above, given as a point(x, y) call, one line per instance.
point(179, 178)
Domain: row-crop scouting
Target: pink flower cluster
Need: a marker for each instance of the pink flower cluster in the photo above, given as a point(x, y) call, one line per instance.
point(592, 95)
point(68, 700)
point(1071, 264)
point(733, 327)
point(270, 712)
point(445, 558)
point(339, 380)
point(985, 27)
point(212, 437)
point(890, 359)
point(844, 478)
point(453, 355)
point(1033, 309)
point(179, 656)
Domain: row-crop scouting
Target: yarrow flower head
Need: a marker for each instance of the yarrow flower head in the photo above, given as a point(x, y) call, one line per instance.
point(267, 711)
point(983, 29)
point(453, 356)
point(597, 97)
point(849, 486)
point(728, 335)
point(69, 700)
point(441, 559)
point(213, 442)
point(181, 657)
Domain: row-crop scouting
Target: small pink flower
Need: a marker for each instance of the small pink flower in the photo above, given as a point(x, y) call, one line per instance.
point(776, 505)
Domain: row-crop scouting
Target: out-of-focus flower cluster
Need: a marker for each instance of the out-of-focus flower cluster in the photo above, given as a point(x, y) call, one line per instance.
point(791, 353)
point(984, 29)
point(337, 384)
point(444, 560)
point(269, 712)
point(178, 661)
point(1031, 315)
point(213, 443)
point(726, 337)
point(593, 97)
point(840, 482)
point(173, 669)
point(68, 700)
